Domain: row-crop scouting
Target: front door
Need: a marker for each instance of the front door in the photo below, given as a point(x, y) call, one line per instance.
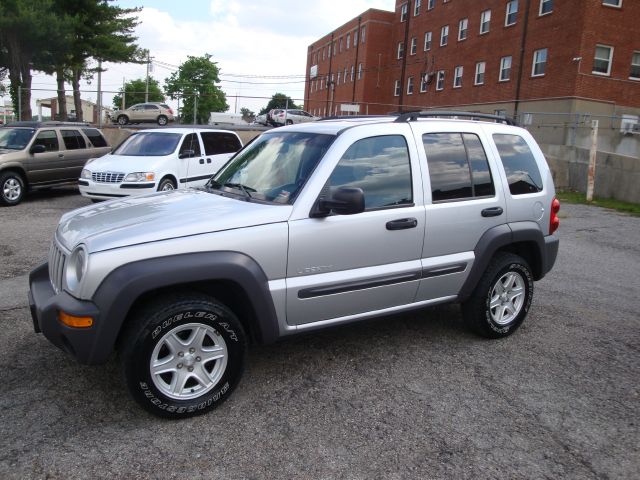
point(49, 166)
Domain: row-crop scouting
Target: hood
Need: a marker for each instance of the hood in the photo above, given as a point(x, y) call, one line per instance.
point(161, 216)
point(126, 163)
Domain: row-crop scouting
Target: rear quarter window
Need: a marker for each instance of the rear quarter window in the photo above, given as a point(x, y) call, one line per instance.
point(216, 143)
point(95, 137)
point(519, 164)
point(73, 140)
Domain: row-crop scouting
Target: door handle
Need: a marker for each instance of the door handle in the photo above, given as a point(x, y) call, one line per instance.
point(402, 224)
point(202, 161)
point(208, 160)
point(60, 155)
point(492, 212)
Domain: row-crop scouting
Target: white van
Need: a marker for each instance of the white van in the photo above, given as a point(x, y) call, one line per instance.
point(226, 119)
point(156, 160)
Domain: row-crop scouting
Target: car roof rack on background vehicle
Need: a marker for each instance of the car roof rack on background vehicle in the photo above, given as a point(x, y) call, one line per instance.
point(47, 123)
point(413, 116)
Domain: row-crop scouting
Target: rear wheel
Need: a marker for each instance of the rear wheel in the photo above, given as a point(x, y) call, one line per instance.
point(289, 122)
point(123, 120)
point(12, 188)
point(162, 120)
point(502, 298)
point(183, 355)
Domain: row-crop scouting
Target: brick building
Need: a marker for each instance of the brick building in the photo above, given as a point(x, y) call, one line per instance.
point(555, 57)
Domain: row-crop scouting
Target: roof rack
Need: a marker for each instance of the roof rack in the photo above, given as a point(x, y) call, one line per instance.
point(351, 117)
point(46, 123)
point(413, 116)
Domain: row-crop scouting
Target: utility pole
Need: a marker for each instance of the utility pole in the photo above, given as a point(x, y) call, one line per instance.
point(146, 91)
point(99, 99)
point(19, 102)
point(124, 92)
point(195, 106)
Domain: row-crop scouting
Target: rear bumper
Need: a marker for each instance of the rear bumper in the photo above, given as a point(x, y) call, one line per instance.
point(551, 245)
point(45, 304)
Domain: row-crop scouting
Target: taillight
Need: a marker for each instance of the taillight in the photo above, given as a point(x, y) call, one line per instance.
point(170, 112)
point(554, 222)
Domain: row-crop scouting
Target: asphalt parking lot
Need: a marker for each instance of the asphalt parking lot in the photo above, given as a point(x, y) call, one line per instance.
point(409, 396)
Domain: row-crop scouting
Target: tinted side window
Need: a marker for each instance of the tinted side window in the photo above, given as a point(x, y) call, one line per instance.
point(216, 143)
point(519, 164)
point(458, 166)
point(380, 167)
point(73, 140)
point(190, 142)
point(151, 107)
point(95, 137)
point(49, 139)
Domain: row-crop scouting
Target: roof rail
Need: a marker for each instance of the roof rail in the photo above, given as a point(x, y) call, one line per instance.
point(350, 117)
point(413, 116)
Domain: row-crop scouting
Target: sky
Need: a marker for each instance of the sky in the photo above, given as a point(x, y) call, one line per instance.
point(248, 39)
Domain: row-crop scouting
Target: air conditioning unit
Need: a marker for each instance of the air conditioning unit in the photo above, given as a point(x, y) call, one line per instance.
point(630, 124)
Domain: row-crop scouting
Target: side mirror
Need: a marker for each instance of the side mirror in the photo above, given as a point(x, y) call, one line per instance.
point(38, 148)
point(187, 154)
point(344, 201)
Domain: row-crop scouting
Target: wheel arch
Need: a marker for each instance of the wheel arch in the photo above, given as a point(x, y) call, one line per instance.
point(170, 176)
point(17, 168)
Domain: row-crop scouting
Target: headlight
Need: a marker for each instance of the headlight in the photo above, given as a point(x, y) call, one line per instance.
point(140, 177)
point(75, 268)
point(86, 174)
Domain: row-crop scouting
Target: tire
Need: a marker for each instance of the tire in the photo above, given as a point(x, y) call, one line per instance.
point(493, 312)
point(162, 120)
point(176, 334)
point(289, 122)
point(123, 120)
point(96, 200)
point(166, 185)
point(12, 188)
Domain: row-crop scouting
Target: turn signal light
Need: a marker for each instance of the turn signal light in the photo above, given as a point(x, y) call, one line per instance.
point(554, 222)
point(73, 321)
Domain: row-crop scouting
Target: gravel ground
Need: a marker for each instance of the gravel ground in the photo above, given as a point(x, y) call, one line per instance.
point(409, 396)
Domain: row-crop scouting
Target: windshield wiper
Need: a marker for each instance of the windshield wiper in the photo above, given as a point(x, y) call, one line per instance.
point(242, 188)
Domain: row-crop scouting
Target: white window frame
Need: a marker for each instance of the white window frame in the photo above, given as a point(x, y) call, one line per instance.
point(609, 60)
point(416, 8)
point(344, 78)
point(404, 12)
point(503, 61)
point(423, 83)
point(353, 70)
point(481, 68)
point(428, 36)
point(360, 71)
point(431, 4)
point(348, 40)
point(414, 46)
point(444, 36)
point(616, 5)
point(457, 76)
point(633, 54)
point(509, 12)
point(542, 5)
point(338, 75)
point(485, 19)
point(534, 63)
point(396, 90)
point(400, 52)
point(355, 37)
point(440, 81)
point(363, 34)
point(463, 25)
point(410, 86)
point(341, 44)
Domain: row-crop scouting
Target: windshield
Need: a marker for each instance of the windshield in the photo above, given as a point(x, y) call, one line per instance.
point(149, 144)
point(15, 138)
point(275, 166)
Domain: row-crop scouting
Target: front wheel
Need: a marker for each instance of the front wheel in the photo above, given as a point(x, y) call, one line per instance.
point(123, 120)
point(166, 185)
point(501, 301)
point(11, 188)
point(183, 355)
point(162, 120)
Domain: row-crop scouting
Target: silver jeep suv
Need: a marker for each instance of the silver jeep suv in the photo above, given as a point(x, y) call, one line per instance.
point(309, 226)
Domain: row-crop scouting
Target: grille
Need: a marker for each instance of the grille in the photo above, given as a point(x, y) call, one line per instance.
point(57, 259)
point(107, 177)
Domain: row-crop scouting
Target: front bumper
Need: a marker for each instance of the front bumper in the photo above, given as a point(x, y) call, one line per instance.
point(81, 343)
point(105, 191)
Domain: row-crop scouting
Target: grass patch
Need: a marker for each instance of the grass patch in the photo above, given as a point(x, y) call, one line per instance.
point(570, 196)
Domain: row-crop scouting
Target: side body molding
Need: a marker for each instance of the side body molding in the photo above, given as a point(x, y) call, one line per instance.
point(123, 286)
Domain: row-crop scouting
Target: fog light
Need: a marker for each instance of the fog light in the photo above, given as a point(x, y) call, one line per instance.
point(73, 321)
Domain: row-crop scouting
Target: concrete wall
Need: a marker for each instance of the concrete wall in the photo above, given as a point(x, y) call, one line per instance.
point(617, 176)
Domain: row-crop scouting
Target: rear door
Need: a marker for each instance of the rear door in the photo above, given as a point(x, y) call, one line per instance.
point(151, 112)
point(76, 153)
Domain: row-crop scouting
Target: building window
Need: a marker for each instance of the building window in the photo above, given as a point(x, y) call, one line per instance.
point(635, 66)
point(410, 86)
point(414, 45)
point(602, 60)
point(323, 53)
point(348, 40)
point(539, 63)
point(505, 69)
point(612, 3)
point(360, 71)
point(344, 78)
point(485, 21)
point(440, 81)
point(512, 13)
point(444, 35)
point(462, 29)
point(335, 50)
point(457, 77)
point(363, 34)
point(480, 67)
point(352, 71)
point(340, 44)
point(403, 12)
point(355, 37)
point(396, 92)
point(427, 41)
point(338, 77)
point(431, 4)
point(546, 6)
point(400, 50)
point(423, 83)
point(416, 8)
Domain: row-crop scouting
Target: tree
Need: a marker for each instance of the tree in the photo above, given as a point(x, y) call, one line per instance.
point(134, 92)
point(195, 83)
point(247, 115)
point(279, 100)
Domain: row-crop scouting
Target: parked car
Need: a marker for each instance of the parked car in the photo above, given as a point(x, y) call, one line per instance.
point(292, 116)
point(271, 116)
point(308, 227)
point(44, 154)
point(159, 113)
point(151, 160)
point(261, 120)
point(226, 119)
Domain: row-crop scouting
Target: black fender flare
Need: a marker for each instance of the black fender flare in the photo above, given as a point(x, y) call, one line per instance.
point(123, 286)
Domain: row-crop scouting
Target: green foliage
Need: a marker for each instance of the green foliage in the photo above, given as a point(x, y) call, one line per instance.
point(195, 81)
point(247, 115)
point(570, 196)
point(135, 93)
point(279, 100)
